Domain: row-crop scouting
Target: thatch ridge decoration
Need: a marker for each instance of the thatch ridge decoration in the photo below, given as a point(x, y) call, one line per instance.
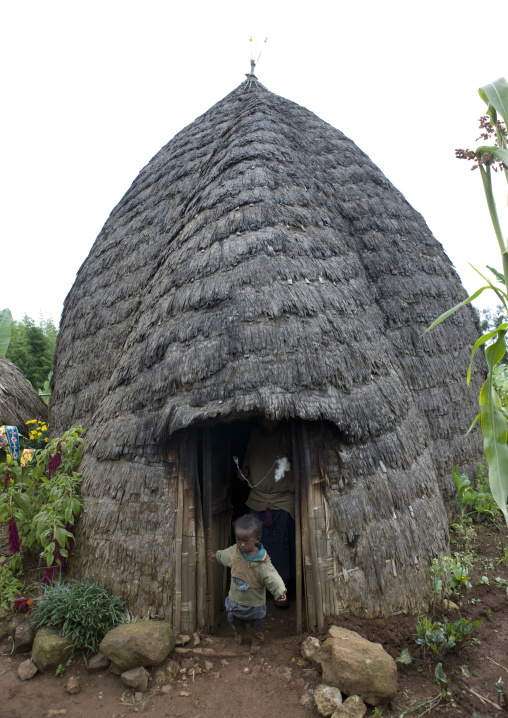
point(261, 264)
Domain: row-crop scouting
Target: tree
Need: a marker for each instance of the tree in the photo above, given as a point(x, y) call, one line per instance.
point(32, 348)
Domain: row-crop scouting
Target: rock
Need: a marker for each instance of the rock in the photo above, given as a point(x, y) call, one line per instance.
point(24, 635)
point(353, 707)
point(172, 670)
point(138, 697)
point(208, 665)
point(143, 643)
point(182, 639)
point(27, 670)
point(327, 699)
point(309, 647)
point(115, 670)
point(53, 713)
point(73, 685)
point(98, 663)
point(197, 639)
point(166, 689)
point(188, 662)
point(50, 650)
point(185, 694)
point(450, 605)
point(307, 698)
point(169, 672)
point(357, 666)
point(136, 678)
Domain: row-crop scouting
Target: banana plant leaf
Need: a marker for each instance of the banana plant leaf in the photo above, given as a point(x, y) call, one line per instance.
point(5, 330)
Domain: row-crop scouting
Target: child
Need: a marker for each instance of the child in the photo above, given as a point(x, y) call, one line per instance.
point(251, 574)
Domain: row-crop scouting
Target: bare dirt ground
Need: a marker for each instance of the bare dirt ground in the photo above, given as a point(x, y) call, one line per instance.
point(273, 681)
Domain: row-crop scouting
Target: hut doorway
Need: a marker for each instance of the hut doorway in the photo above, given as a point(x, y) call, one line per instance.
point(210, 497)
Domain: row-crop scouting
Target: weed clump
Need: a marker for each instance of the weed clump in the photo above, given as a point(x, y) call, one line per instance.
point(83, 610)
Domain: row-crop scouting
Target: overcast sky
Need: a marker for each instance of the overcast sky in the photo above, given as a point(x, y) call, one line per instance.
point(92, 90)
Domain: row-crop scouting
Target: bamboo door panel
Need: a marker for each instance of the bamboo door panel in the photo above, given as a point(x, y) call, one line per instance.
point(217, 473)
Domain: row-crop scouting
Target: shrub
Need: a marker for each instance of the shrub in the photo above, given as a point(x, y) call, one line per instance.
point(82, 610)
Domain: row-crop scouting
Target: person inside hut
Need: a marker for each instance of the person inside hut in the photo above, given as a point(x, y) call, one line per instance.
point(267, 470)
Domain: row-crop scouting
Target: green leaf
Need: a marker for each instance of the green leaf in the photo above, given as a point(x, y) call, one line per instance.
point(481, 341)
point(405, 657)
point(451, 311)
point(499, 276)
point(495, 96)
point(441, 678)
point(465, 670)
point(495, 428)
point(5, 330)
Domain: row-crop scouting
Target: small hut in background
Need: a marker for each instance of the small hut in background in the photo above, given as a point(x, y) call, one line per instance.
point(262, 265)
point(19, 402)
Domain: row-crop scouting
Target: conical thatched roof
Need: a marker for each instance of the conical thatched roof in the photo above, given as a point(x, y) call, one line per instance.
point(261, 264)
point(19, 402)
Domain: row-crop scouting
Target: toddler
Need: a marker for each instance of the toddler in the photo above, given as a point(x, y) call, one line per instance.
point(251, 574)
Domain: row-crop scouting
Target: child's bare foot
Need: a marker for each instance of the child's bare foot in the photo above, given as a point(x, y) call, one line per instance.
point(239, 638)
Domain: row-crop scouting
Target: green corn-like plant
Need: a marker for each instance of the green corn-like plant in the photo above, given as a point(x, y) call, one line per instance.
point(493, 421)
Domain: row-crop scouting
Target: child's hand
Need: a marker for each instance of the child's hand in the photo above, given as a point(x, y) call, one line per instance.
point(282, 598)
point(211, 556)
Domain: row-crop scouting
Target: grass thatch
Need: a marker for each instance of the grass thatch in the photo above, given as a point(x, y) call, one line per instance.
point(19, 402)
point(260, 264)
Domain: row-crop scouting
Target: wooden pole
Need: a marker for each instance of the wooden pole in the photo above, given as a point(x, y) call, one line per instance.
point(177, 618)
point(298, 526)
point(318, 596)
point(201, 588)
point(207, 522)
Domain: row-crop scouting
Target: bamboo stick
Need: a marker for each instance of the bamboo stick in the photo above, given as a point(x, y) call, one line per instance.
point(192, 548)
point(312, 537)
point(298, 527)
point(306, 560)
point(177, 617)
point(202, 563)
point(207, 521)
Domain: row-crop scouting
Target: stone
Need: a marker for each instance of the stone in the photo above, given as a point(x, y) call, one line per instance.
point(73, 685)
point(138, 697)
point(142, 643)
point(182, 639)
point(114, 669)
point(357, 666)
point(309, 647)
point(197, 639)
point(166, 689)
point(98, 663)
point(327, 699)
point(450, 605)
point(168, 672)
point(50, 650)
point(188, 662)
point(27, 670)
point(24, 635)
point(136, 678)
point(208, 665)
point(307, 698)
point(353, 707)
point(54, 712)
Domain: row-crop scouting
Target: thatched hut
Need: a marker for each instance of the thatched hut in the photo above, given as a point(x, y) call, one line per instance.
point(262, 265)
point(19, 402)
